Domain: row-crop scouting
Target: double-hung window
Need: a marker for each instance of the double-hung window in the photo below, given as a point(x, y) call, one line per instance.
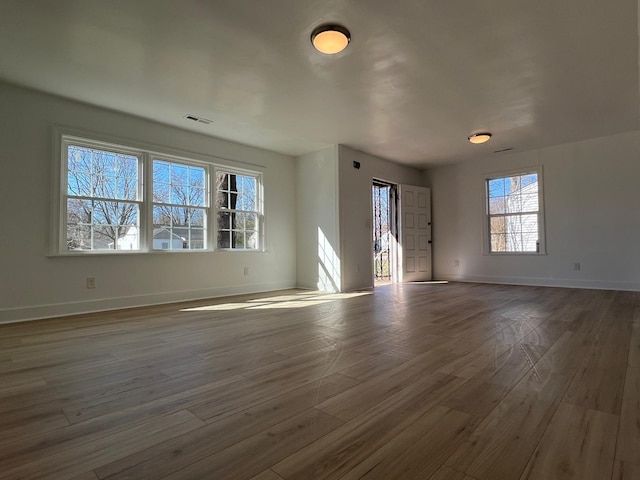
point(238, 205)
point(180, 206)
point(102, 198)
point(514, 218)
point(118, 198)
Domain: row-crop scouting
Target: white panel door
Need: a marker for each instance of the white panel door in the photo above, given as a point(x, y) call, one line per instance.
point(415, 233)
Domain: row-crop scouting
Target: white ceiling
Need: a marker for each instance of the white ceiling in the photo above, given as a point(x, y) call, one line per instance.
point(417, 79)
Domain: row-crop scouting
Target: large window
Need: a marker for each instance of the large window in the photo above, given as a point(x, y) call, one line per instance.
point(179, 206)
point(238, 205)
point(514, 212)
point(102, 199)
point(115, 198)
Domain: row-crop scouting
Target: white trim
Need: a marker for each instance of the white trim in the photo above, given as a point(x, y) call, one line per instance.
point(542, 243)
point(259, 208)
point(543, 282)
point(21, 314)
point(146, 154)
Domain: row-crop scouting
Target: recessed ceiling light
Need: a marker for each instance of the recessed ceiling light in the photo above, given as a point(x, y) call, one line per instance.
point(480, 137)
point(330, 39)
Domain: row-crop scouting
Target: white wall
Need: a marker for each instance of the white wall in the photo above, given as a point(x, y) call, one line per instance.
point(317, 220)
point(356, 211)
point(592, 212)
point(34, 285)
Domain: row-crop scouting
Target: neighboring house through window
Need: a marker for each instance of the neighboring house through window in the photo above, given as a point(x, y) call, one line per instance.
point(238, 206)
point(107, 205)
point(515, 222)
point(180, 206)
point(102, 198)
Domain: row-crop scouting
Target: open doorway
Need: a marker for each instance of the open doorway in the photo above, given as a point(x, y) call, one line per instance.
point(385, 232)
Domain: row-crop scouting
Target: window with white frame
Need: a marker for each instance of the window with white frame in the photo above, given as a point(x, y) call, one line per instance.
point(102, 199)
point(117, 198)
point(515, 221)
point(238, 210)
point(180, 206)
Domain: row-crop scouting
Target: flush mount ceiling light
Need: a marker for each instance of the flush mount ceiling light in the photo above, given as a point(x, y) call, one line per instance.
point(330, 39)
point(480, 137)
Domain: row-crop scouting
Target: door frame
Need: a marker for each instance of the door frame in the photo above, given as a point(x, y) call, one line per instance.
point(394, 267)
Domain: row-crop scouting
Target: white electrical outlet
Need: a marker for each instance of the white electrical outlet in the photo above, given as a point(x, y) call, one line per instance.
point(457, 263)
point(91, 282)
point(576, 266)
point(246, 270)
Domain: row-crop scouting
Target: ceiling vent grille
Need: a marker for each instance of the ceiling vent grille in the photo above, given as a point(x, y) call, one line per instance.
point(198, 119)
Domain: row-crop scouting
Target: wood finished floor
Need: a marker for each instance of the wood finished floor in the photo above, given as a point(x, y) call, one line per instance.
point(439, 382)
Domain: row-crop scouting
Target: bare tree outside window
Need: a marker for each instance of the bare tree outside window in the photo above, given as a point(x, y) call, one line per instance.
point(179, 206)
point(106, 202)
point(102, 198)
point(513, 207)
point(238, 211)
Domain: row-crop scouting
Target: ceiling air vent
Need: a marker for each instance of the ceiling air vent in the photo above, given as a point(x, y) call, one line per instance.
point(198, 119)
point(503, 150)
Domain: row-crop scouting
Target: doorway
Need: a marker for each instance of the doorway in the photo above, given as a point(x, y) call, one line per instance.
point(385, 232)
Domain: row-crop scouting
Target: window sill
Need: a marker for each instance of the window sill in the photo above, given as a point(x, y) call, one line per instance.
point(154, 252)
point(514, 254)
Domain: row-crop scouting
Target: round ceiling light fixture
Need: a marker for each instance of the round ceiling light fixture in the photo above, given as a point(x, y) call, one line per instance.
point(330, 38)
point(477, 138)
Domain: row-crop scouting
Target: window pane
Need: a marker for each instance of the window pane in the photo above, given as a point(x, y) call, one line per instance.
point(237, 228)
point(100, 173)
point(161, 192)
point(196, 197)
point(222, 199)
point(252, 239)
point(161, 216)
point(179, 228)
point(197, 217)
point(126, 188)
point(179, 184)
point(79, 183)
point(225, 220)
point(161, 172)
point(497, 225)
point(529, 223)
point(197, 238)
point(179, 194)
point(498, 243)
point(497, 205)
point(196, 177)
point(238, 240)
point(129, 238)
point(126, 166)
point(529, 202)
point(79, 159)
point(179, 175)
point(510, 228)
point(497, 188)
point(224, 239)
point(102, 225)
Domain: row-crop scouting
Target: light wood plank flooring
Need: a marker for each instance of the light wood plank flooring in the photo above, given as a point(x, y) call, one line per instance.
point(420, 381)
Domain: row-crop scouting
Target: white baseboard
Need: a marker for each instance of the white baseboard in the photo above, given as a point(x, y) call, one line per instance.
point(37, 312)
point(543, 282)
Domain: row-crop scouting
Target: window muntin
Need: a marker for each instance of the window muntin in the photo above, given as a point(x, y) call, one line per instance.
point(102, 199)
point(514, 214)
point(180, 206)
point(111, 198)
point(238, 210)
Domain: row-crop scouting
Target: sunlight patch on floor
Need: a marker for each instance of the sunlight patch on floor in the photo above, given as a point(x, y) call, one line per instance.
point(297, 300)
